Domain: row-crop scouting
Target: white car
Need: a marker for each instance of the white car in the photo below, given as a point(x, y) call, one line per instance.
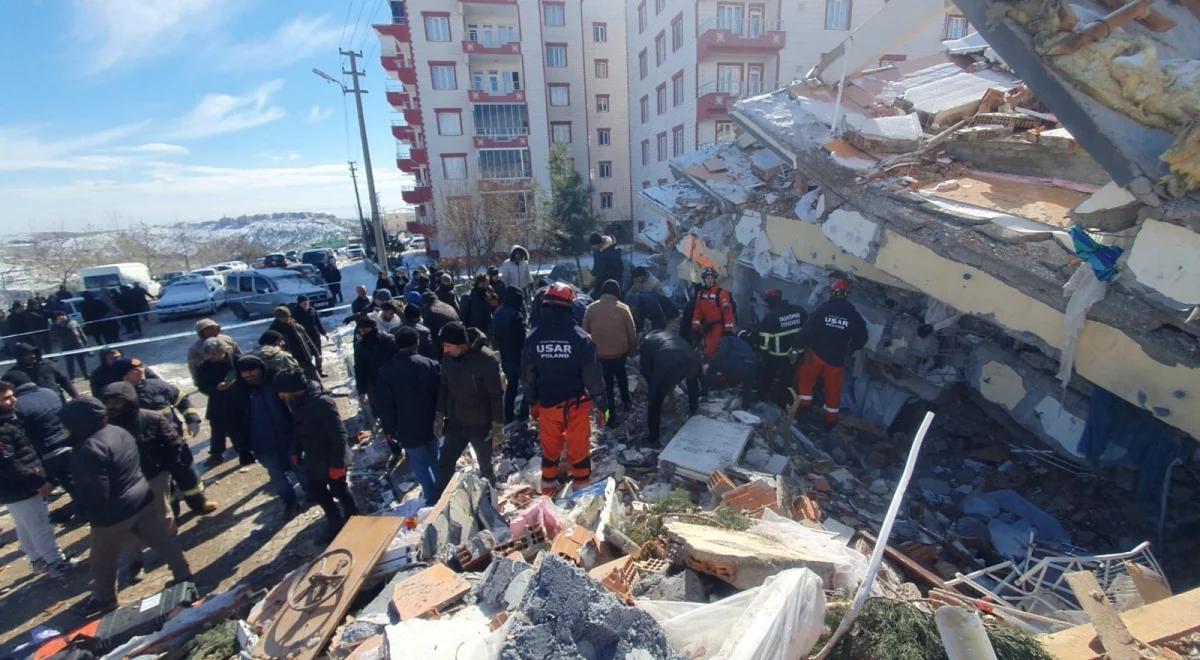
point(195, 294)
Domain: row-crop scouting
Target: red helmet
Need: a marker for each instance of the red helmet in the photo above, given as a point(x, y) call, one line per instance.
point(772, 294)
point(559, 294)
point(839, 286)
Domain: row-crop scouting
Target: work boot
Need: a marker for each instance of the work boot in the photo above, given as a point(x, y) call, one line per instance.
point(245, 458)
point(200, 504)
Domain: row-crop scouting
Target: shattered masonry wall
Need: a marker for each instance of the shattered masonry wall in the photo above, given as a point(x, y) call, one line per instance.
point(1019, 157)
point(1105, 355)
point(1166, 258)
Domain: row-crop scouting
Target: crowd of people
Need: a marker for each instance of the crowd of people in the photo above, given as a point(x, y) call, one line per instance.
point(438, 372)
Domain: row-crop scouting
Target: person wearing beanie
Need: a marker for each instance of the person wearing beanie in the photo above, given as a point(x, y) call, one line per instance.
point(372, 350)
point(115, 499)
point(508, 336)
point(106, 373)
point(606, 262)
point(296, 341)
point(412, 319)
point(273, 352)
point(386, 318)
point(474, 309)
point(470, 400)
point(309, 320)
point(322, 447)
point(214, 376)
point(412, 298)
point(610, 323)
point(436, 314)
point(259, 420)
point(406, 402)
point(445, 292)
point(205, 329)
point(37, 408)
point(29, 361)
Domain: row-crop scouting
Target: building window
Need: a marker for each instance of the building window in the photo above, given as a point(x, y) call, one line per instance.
point(449, 122)
point(677, 90)
point(642, 65)
point(560, 94)
point(599, 32)
point(602, 103)
point(837, 14)
point(601, 68)
point(662, 146)
point(957, 27)
point(560, 132)
point(556, 56)
point(726, 131)
point(603, 136)
point(492, 36)
point(676, 33)
point(398, 16)
point(660, 48)
point(504, 164)
point(645, 152)
point(645, 185)
point(606, 200)
point(454, 168)
point(606, 169)
point(442, 76)
point(677, 141)
point(658, 6)
point(644, 106)
point(729, 17)
point(554, 14)
point(437, 28)
point(501, 121)
point(641, 18)
point(660, 98)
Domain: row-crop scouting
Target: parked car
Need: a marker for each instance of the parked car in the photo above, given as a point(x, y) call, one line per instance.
point(195, 294)
point(355, 252)
point(310, 272)
point(170, 276)
point(277, 260)
point(292, 255)
point(258, 292)
point(113, 276)
point(417, 243)
point(318, 256)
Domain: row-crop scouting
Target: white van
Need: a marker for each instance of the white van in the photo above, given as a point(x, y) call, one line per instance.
point(112, 276)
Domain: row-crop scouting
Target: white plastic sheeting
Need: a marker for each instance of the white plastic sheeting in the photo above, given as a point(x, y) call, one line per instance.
point(851, 565)
point(1084, 290)
point(780, 620)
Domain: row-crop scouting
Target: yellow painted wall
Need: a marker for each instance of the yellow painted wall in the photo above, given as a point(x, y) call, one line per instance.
point(1105, 355)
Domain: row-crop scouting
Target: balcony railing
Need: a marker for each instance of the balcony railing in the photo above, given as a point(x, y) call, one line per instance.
point(741, 28)
point(722, 36)
point(737, 88)
point(492, 47)
point(502, 133)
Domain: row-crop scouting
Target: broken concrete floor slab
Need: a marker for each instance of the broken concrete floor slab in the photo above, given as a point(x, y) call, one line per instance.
point(742, 559)
point(428, 591)
point(703, 445)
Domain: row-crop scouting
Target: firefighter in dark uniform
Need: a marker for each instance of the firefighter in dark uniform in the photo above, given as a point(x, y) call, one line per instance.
point(562, 377)
point(778, 336)
point(833, 332)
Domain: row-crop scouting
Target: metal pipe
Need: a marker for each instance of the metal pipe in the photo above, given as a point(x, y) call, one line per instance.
point(1097, 30)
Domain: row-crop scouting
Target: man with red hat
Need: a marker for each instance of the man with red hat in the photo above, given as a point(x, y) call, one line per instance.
point(778, 336)
point(563, 379)
point(713, 316)
point(833, 332)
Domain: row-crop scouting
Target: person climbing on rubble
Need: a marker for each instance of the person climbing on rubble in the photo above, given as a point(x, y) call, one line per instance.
point(321, 449)
point(564, 380)
point(778, 334)
point(713, 316)
point(115, 499)
point(259, 420)
point(649, 304)
point(834, 331)
point(666, 361)
point(163, 398)
point(205, 329)
point(734, 364)
point(610, 324)
point(406, 398)
point(470, 405)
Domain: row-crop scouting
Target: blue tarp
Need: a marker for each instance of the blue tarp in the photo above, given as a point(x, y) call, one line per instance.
point(1102, 258)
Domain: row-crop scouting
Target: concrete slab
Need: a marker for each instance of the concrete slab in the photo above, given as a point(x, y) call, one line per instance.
point(425, 592)
point(703, 445)
point(742, 559)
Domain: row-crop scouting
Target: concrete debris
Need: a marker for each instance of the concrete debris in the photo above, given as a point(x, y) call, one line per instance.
point(566, 615)
point(742, 559)
point(684, 586)
point(426, 592)
point(503, 584)
point(466, 508)
point(703, 445)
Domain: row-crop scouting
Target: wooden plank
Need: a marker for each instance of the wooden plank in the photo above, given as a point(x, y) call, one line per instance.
point(1155, 623)
point(907, 564)
point(1118, 643)
point(425, 592)
point(1150, 585)
point(301, 635)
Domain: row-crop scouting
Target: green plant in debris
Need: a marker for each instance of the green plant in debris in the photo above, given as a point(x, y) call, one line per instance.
point(727, 518)
point(216, 643)
point(678, 502)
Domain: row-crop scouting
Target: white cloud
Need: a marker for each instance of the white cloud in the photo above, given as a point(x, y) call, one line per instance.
point(296, 40)
point(317, 114)
point(21, 148)
point(217, 114)
point(114, 33)
point(280, 155)
point(158, 149)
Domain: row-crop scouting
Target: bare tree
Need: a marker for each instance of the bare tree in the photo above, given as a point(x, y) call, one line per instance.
point(60, 255)
point(478, 227)
point(136, 244)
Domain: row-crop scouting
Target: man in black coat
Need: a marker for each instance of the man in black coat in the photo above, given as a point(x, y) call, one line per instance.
point(38, 408)
point(372, 350)
point(470, 401)
point(214, 376)
point(97, 321)
point(606, 262)
point(23, 485)
point(322, 447)
point(406, 397)
point(69, 335)
point(307, 317)
point(44, 374)
point(666, 361)
point(412, 319)
point(508, 337)
point(436, 314)
point(298, 343)
point(333, 278)
point(115, 499)
point(106, 373)
point(475, 309)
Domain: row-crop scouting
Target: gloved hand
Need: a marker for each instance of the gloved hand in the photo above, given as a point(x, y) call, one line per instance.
point(497, 435)
point(439, 425)
point(600, 415)
point(337, 473)
point(193, 427)
point(535, 412)
point(295, 460)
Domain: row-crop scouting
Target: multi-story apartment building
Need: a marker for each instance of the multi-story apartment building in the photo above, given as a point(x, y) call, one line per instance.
point(690, 60)
point(484, 88)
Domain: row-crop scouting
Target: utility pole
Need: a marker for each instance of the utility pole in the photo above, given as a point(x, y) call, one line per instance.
point(376, 220)
point(362, 221)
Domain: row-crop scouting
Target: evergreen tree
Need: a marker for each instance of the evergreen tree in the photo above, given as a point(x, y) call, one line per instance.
point(570, 216)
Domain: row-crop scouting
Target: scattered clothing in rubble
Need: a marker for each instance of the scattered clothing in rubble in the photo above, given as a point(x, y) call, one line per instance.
point(1102, 258)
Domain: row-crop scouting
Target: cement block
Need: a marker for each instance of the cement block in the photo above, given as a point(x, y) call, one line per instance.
point(852, 232)
point(703, 445)
point(742, 559)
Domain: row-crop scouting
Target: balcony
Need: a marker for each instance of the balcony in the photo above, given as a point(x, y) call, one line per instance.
point(412, 161)
point(404, 69)
point(500, 137)
point(422, 228)
point(413, 116)
point(398, 96)
point(506, 184)
point(398, 29)
point(493, 48)
point(716, 97)
point(405, 133)
point(739, 37)
point(487, 96)
point(419, 194)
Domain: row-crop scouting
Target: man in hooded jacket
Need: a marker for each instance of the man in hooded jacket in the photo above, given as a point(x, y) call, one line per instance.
point(206, 329)
point(115, 499)
point(515, 270)
point(258, 419)
point(44, 374)
point(37, 408)
point(298, 343)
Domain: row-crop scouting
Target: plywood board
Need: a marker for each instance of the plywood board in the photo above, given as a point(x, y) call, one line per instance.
point(302, 634)
point(1150, 585)
point(1118, 643)
point(704, 445)
point(1155, 623)
point(427, 591)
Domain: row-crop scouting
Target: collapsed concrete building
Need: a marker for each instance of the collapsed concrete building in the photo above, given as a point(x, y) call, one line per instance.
point(1020, 213)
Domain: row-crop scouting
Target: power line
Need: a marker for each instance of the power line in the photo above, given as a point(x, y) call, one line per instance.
point(357, 21)
point(345, 22)
point(370, 22)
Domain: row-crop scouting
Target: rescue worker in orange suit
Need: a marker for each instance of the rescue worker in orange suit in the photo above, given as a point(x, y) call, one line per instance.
point(563, 379)
point(833, 332)
point(778, 335)
point(713, 316)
